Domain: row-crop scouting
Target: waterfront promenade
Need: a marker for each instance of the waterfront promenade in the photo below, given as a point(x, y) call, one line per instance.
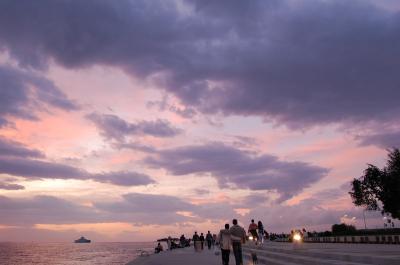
point(274, 253)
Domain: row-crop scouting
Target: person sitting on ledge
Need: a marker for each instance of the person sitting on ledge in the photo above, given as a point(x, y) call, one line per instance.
point(158, 248)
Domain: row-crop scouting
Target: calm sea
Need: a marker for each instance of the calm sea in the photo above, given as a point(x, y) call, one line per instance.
point(71, 253)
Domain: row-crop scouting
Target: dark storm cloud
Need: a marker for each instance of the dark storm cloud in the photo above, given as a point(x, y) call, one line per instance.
point(12, 148)
point(23, 93)
point(244, 169)
point(17, 160)
point(295, 62)
point(113, 127)
point(384, 140)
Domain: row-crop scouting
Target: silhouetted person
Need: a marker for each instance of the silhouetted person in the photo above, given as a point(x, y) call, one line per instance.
point(182, 241)
point(214, 240)
point(238, 236)
point(209, 239)
point(158, 248)
point(195, 239)
point(202, 240)
point(169, 243)
point(260, 227)
point(253, 229)
point(225, 241)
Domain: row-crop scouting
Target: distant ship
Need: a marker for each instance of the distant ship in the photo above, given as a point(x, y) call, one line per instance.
point(82, 240)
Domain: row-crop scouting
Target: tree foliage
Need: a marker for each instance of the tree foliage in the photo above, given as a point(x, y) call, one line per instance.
point(379, 189)
point(343, 229)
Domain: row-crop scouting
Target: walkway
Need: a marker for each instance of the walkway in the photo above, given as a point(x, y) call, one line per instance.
point(285, 254)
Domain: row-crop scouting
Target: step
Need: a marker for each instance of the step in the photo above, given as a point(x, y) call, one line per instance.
point(360, 258)
point(299, 259)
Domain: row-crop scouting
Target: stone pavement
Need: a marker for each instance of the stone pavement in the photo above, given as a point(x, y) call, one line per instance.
point(273, 253)
point(325, 254)
point(180, 256)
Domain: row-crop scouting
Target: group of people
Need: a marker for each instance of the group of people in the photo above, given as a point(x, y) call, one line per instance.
point(229, 237)
point(171, 243)
point(257, 231)
point(199, 240)
point(235, 236)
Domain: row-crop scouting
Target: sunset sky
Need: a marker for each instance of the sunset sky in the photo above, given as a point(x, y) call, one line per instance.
point(135, 120)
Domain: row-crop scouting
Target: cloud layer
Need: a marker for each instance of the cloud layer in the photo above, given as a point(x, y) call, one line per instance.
point(21, 161)
point(23, 93)
point(299, 63)
point(114, 128)
point(241, 168)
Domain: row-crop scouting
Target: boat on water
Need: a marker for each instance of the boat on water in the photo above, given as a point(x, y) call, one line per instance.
point(82, 240)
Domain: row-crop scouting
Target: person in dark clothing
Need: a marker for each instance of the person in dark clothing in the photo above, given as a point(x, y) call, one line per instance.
point(195, 239)
point(225, 242)
point(158, 248)
point(182, 241)
point(209, 239)
point(202, 240)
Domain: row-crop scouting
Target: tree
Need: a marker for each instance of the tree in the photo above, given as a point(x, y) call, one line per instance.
point(343, 229)
point(379, 189)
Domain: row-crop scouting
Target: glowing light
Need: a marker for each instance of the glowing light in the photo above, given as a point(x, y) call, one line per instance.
point(250, 237)
point(297, 237)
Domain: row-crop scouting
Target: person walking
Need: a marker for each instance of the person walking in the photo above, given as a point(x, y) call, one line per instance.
point(169, 243)
point(253, 230)
point(195, 239)
point(202, 240)
point(214, 240)
point(238, 236)
point(209, 239)
point(225, 241)
point(260, 227)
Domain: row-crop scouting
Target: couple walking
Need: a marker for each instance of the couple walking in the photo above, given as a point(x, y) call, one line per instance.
point(234, 237)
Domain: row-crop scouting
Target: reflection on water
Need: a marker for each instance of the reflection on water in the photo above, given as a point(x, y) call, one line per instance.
point(70, 253)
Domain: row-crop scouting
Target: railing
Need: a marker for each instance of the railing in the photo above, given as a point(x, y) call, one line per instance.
point(369, 239)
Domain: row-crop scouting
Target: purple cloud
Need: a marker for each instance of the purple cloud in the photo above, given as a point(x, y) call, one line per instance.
point(149, 203)
point(162, 105)
point(113, 127)
point(132, 207)
point(241, 168)
point(23, 93)
point(123, 178)
point(10, 186)
point(16, 160)
point(12, 148)
point(135, 146)
point(299, 64)
point(153, 207)
point(37, 169)
point(45, 210)
point(384, 140)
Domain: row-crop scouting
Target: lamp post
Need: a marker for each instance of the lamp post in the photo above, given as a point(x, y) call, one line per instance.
point(365, 224)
